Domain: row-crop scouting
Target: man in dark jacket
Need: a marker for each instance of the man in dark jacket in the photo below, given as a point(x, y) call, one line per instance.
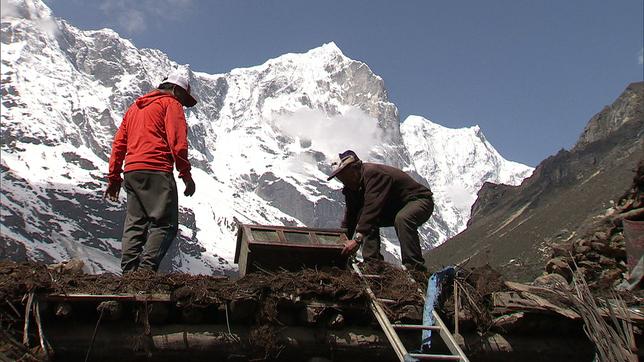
point(152, 138)
point(378, 196)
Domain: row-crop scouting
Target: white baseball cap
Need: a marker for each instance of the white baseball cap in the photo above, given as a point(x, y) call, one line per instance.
point(180, 79)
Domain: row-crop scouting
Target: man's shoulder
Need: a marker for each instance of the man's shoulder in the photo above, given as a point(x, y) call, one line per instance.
point(157, 97)
point(170, 100)
point(369, 168)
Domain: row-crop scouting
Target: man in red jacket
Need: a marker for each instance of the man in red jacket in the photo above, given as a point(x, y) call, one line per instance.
point(152, 138)
point(380, 195)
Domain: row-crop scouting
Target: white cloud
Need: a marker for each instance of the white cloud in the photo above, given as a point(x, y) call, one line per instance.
point(461, 198)
point(39, 14)
point(331, 135)
point(640, 56)
point(133, 21)
point(8, 9)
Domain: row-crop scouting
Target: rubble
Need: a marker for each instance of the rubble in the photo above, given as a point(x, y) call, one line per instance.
point(328, 301)
point(600, 254)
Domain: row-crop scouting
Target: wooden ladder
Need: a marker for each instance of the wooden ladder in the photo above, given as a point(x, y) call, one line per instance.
point(390, 329)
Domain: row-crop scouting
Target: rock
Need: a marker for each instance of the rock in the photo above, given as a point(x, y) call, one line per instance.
point(507, 323)
point(583, 249)
point(589, 265)
point(622, 266)
point(560, 266)
point(608, 262)
point(561, 249)
point(585, 272)
point(600, 235)
point(616, 250)
point(550, 280)
point(311, 314)
point(74, 266)
point(617, 238)
point(63, 310)
point(609, 276)
point(336, 321)
point(600, 247)
point(111, 309)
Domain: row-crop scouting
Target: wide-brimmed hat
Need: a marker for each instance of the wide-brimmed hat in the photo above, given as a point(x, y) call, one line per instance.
point(178, 78)
point(346, 158)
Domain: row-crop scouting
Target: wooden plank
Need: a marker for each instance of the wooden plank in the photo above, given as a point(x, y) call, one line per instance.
point(101, 297)
point(634, 313)
point(528, 302)
point(294, 228)
point(528, 288)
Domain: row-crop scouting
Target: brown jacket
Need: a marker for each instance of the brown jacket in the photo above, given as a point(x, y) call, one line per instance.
point(384, 190)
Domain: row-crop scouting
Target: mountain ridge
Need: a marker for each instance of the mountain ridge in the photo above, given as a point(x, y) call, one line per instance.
point(564, 192)
point(261, 143)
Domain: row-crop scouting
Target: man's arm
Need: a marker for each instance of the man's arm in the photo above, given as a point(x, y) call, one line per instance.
point(350, 215)
point(376, 194)
point(119, 149)
point(177, 132)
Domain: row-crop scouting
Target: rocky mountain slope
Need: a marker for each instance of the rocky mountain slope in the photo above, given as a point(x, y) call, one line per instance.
point(262, 140)
point(512, 227)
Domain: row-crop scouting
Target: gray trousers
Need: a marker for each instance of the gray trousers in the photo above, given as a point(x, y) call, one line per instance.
point(152, 219)
point(407, 221)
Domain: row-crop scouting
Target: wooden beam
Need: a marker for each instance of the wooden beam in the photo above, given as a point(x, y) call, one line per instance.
point(77, 297)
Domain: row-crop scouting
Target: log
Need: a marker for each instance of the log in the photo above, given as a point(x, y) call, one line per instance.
point(107, 297)
point(180, 342)
point(213, 342)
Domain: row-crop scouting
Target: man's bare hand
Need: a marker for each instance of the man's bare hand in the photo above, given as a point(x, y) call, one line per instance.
point(350, 247)
point(190, 186)
point(113, 190)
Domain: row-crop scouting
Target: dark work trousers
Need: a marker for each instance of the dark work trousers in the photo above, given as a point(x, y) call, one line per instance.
point(407, 221)
point(152, 219)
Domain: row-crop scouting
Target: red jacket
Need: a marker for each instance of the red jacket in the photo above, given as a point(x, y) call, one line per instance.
point(152, 136)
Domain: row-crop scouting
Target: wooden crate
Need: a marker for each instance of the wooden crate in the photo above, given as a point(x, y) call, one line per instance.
point(285, 247)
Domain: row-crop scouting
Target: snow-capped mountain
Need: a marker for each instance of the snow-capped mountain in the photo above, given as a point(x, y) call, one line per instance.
point(262, 140)
point(456, 163)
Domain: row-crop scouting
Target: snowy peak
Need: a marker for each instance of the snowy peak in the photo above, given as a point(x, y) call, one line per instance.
point(424, 127)
point(456, 163)
point(26, 9)
point(30, 13)
point(328, 50)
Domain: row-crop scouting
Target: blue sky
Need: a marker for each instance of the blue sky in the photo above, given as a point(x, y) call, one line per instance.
point(530, 73)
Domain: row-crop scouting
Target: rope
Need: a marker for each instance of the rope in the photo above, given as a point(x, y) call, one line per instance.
point(25, 330)
point(227, 322)
point(89, 350)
